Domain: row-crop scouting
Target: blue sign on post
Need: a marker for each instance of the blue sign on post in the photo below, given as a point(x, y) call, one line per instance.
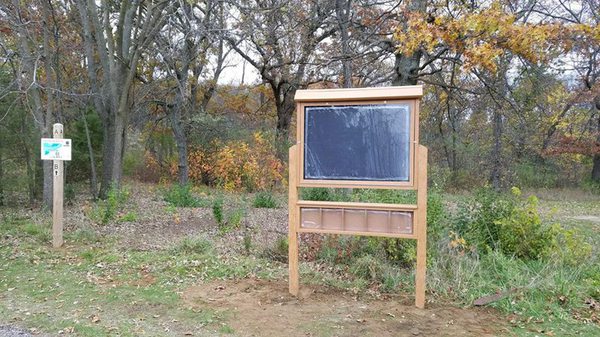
point(56, 149)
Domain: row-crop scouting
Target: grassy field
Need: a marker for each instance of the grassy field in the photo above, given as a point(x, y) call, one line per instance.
point(101, 284)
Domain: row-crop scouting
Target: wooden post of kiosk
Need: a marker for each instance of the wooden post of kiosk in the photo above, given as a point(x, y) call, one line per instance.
point(57, 193)
point(330, 122)
point(293, 231)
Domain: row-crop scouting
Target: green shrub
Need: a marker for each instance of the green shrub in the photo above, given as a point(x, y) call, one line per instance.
point(404, 252)
point(385, 196)
point(228, 218)
point(369, 268)
point(478, 219)
point(115, 200)
point(512, 225)
point(234, 218)
point(247, 240)
point(38, 231)
point(538, 174)
point(181, 196)
point(523, 235)
point(217, 208)
point(129, 217)
point(279, 250)
point(69, 194)
point(79, 168)
point(265, 200)
point(194, 245)
point(591, 186)
point(325, 194)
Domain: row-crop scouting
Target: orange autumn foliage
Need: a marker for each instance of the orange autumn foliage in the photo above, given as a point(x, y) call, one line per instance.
point(237, 165)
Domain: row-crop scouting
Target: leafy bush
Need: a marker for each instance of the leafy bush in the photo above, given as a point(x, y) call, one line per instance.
point(523, 235)
point(591, 186)
point(265, 200)
point(369, 268)
point(79, 168)
point(512, 225)
point(227, 218)
point(105, 211)
point(237, 165)
point(234, 218)
point(385, 196)
point(194, 245)
point(325, 194)
point(115, 199)
point(128, 217)
point(279, 250)
point(538, 174)
point(217, 208)
point(181, 196)
point(477, 219)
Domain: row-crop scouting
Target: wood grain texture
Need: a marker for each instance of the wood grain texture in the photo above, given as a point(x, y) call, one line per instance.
point(421, 227)
point(356, 205)
point(57, 193)
point(293, 218)
point(361, 233)
point(359, 94)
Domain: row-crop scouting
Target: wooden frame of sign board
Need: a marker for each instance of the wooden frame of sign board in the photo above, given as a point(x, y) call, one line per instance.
point(355, 218)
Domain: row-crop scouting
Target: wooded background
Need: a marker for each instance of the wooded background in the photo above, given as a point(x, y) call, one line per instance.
point(511, 87)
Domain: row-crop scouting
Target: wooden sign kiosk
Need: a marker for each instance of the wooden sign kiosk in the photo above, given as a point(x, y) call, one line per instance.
point(359, 138)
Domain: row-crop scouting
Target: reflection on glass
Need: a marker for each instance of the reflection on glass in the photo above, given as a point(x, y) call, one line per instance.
point(355, 220)
point(378, 221)
point(402, 222)
point(357, 142)
point(310, 217)
point(332, 218)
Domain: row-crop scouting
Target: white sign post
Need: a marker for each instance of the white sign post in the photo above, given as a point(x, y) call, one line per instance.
point(57, 149)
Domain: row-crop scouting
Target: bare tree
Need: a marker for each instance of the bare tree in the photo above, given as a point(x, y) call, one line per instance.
point(39, 74)
point(114, 41)
point(188, 44)
point(279, 38)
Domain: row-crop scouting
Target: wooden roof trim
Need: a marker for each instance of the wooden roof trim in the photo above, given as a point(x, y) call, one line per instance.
point(359, 94)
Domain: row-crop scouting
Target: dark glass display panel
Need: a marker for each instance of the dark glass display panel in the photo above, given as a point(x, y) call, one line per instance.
point(357, 142)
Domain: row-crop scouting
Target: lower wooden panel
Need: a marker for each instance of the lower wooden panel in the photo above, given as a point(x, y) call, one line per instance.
point(343, 232)
point(355, 220)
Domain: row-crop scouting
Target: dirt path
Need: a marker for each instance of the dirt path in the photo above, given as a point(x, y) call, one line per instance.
point(591, 218)
point(265, 308)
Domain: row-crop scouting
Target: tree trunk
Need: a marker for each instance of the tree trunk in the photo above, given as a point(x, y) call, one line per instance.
point(94, 177)
point(43, 120)
point(1, 178)
point(342, 11)
point(30, 175)
point(406, 67)
point(285, 105)
point(181, 142)
point(495, 176)
point(596, 169)
point(114, 144)
point(596, 164)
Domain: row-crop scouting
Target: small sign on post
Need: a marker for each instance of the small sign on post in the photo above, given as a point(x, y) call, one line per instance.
point(57, 149)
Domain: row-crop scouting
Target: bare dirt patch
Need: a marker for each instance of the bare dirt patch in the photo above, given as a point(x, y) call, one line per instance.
point(265, 308)
point(591, 218)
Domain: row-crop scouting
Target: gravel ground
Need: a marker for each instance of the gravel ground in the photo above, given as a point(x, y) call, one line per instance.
point(11, 331)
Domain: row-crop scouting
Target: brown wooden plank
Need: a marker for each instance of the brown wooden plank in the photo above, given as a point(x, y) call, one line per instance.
point(294, 282)
point(420, 227)
point(356, 205)
point(379, 93)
